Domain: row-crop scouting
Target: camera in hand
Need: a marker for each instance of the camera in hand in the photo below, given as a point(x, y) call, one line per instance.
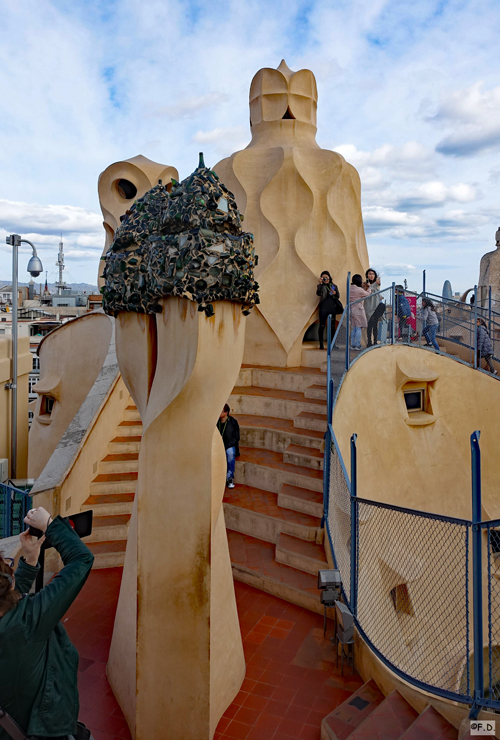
point(81, 523)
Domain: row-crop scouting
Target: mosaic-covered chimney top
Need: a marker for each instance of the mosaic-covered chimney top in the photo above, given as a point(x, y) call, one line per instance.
point(187, 243)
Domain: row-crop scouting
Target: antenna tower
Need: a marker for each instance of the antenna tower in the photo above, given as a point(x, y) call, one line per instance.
point(60, 285)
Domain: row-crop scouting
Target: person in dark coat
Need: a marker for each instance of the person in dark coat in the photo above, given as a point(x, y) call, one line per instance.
point(484, 346)
point(38, 662)
point(329, 303)
point(404, 314)
point(230, 432)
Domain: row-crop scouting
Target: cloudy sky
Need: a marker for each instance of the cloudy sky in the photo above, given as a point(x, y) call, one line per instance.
point(409, 93)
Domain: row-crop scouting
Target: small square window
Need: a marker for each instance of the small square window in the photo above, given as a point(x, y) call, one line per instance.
point(47, 405)
point(414, 400)
point(401, 600)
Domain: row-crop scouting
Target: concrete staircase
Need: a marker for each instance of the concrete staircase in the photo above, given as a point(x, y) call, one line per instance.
point(273, 516)
point(368, 714)
point(112, 492)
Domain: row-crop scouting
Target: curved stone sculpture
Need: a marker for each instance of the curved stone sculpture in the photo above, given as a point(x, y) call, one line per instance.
point(489, 275)
point(302, 203)
point(188, 243)
point(120, 185)
point(176, 659)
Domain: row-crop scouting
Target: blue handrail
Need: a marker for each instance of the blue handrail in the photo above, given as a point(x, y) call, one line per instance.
point(480, 697)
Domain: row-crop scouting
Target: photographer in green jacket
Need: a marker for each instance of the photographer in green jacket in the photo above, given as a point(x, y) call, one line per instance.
point(38, 662)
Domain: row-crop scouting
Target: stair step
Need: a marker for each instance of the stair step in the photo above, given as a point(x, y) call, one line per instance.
point(253, 563)
point(305, 456)
point(254, 400)
point(340, 724)
point(313, 356)
point(287, 379)
point(389, 720)
point(105, 528)
point(113, 483)
point(255, 512)
point(255, 428)
point(126, 462)
point(430, 724)
point(110, 504)
point(307, 420)
point(121, 445)
point(131, 413)
point(306, 556)
point(316, 391)
point(108, 554)
point(301, 499)
point(267, 469)
point(129, 429)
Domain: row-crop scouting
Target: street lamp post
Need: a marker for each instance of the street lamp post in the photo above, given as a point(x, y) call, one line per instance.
point(35, 268)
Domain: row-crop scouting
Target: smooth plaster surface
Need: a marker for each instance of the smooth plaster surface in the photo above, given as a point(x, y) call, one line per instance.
point(177, 600)
point(429, 465)
point(302, 203)
point(422, 461)
point(143, 173)
point(71, 359)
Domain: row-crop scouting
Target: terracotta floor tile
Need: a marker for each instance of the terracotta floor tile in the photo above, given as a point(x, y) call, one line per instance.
point(309, 732)
point(270, 659)
point(247, 715)
point(291, 727)
point(237, 730)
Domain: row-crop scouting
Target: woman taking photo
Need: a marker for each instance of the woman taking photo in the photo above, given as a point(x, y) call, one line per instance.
point(329, 303)
point(38, 663)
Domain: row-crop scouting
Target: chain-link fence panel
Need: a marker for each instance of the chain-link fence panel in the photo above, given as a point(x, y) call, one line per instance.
point(14, 505)
point(339, 517)
point(412, 593)
point(492, 670)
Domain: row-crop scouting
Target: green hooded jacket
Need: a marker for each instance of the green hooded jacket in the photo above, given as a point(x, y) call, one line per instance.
point(38, 662)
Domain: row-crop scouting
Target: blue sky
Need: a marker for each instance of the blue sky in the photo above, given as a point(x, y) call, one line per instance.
point(409, 93)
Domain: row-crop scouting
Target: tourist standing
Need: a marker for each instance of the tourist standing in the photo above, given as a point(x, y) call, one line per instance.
point(329, 303)
point(431, 322)
point(230, 433)
point(374, 306)
point(404, 313)
point(484, 346)
point(357, 314)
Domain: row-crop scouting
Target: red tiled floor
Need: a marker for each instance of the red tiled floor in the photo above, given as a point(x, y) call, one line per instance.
point(279, 700)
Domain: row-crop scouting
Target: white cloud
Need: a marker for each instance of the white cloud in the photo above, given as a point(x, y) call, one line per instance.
point(436, 193)
point(378, 218)
point(474, 116)
point(101, 82)
point(50, 219)
point(225, 140)
point(189, 107)
point(397, 268)
point(387, 154)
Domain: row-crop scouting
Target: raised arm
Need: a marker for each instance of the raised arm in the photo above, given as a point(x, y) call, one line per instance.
point(50, 604)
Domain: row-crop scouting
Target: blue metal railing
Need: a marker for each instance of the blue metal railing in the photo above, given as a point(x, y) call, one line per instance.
point(457, 326)
point(432, 612)
point(14, 505)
